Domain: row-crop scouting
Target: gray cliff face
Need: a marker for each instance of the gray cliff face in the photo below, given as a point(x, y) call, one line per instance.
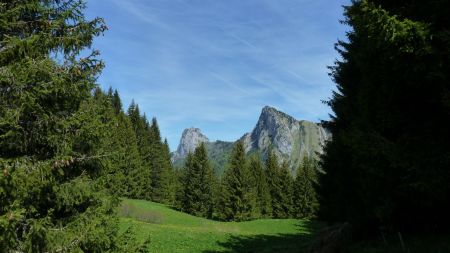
point(289, 138)
point(190, 139)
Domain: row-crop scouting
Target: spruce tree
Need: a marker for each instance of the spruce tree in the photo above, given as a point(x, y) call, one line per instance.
point(128, 161)
point(171, 177)
point(259, 183)
point(387, 163)
point(286, 194)
point(50, 137)
point(207, 181)
point(189, 182)
point(199, 184)
point(237, 201)
point(275, 184)
point(142, 184)
point(160, 165)
point(305, 197)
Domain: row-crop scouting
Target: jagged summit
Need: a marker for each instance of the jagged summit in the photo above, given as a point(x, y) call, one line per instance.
point(190, 139)
point(272, 112)
point(289, 138)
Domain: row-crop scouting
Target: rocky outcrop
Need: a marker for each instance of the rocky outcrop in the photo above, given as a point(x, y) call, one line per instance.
point(289, 138)
point(190, 139)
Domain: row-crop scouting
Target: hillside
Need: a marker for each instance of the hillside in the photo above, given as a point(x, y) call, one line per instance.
point(173, 231)
point(289, 138)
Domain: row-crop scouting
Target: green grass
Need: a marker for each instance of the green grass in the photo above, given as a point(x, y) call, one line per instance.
point(173, 231)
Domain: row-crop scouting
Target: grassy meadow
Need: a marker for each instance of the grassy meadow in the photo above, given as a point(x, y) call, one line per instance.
point(173, 231)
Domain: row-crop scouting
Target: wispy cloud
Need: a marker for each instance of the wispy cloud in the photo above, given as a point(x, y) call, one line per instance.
point(215, 64)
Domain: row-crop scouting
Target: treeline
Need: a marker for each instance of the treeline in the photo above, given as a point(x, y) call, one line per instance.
point(248, 189)
point(137, 162)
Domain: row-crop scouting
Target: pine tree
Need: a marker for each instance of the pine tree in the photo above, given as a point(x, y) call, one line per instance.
point(237, 201)
point(259, 182)
point(50, 137)
point(305, 197)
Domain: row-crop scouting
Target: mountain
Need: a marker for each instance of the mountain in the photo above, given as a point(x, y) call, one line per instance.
point(289, 138)
point(190, 139)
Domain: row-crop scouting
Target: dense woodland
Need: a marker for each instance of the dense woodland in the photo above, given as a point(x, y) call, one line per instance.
point(389, 157)
point(69, 151)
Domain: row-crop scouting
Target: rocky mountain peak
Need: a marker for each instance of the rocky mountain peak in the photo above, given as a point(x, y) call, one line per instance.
point(289, 138)
point(272, 118)
point(190, 139)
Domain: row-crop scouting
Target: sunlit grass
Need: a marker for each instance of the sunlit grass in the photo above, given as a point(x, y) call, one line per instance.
point(173, 231)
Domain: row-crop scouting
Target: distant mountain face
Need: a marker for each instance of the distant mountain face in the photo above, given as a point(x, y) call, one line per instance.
point(190, 139)
point(289, 138)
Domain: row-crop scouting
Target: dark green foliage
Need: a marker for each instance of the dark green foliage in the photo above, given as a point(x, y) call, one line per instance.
point(286, 194)
point(116, 102)
point(127, 162)
point(305, 202)
point(198, 184)
point(171, 179)
point(52, 132)
point(275, 184)
point(185, 198)
point(159, 158)
point(263, 206)
point(237, 197)
point(280, 183)
point(142, 177)
point(387, 164)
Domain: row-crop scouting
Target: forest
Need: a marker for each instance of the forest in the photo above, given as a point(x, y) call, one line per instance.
point(71, 155)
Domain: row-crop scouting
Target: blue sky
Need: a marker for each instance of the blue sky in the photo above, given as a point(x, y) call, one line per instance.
point(214, 64)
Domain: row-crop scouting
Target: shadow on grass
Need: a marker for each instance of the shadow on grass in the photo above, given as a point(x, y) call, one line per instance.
point(280, 243)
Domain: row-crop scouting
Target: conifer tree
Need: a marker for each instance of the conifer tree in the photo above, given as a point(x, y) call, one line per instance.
point(286, 194)
point(189, 181)
point(50, 137)
point(142, 178)
point(159, 164)
point(116, 102)
point(275, 184)
point(171, 181)
point(128, 162)
point(237, 201)
point(199, 184)
point(207, 180)
point(305, 197)
point(259, 182)
point(387, 163)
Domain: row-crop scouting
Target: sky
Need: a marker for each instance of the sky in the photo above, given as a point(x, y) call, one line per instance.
point(214, 64)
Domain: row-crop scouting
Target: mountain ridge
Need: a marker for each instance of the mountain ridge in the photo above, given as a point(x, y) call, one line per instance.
point(289, 138)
